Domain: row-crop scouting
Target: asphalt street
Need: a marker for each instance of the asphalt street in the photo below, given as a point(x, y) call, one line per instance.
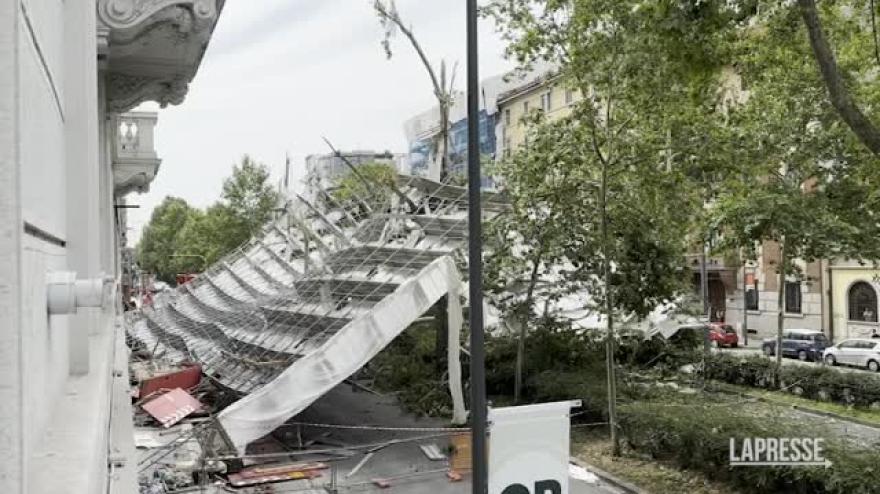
point(403, 464)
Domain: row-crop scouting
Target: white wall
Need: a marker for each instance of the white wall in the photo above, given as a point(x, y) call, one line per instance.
point(51, 208)
point(11, 406)
point(43, 202)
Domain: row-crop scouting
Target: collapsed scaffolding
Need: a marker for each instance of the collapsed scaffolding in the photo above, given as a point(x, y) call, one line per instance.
point(317, 294)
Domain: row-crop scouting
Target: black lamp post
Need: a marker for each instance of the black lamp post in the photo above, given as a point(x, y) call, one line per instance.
point(475, 262)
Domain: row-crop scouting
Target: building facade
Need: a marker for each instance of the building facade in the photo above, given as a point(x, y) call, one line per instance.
point(423, 132)
point(805, 299)
point(69, 154)
point(539, 91)
point(853, 289)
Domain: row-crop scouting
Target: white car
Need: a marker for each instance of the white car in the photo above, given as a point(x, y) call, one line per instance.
point(859, 352)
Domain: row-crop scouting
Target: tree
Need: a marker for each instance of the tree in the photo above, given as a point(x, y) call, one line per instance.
point(159, 241)
point(802, 179)
point(179, 238)
point(371, 187)
point(838, 92)
point(249, 200)
point(443, 88)
point(648, 76)
point(526, 244)
point(205, 238)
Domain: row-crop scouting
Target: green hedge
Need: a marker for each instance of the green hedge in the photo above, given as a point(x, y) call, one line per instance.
point(814, 382)
point(697, 437)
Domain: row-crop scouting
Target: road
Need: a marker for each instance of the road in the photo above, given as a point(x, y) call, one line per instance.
point(403, 464)
point(751, 351)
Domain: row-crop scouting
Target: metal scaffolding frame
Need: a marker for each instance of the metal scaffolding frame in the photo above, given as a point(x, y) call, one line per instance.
point(322, 268)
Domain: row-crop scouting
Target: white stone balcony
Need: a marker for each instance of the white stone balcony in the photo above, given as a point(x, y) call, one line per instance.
point(135, 162)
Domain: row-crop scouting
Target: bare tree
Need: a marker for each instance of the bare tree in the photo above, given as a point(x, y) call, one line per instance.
point(392, 22)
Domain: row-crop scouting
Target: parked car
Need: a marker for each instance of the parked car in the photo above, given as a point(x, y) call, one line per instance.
point(805, 344)
point(723, 335)
point(859, 352)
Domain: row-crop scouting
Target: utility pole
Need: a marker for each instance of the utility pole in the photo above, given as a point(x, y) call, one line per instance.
point(704, 291)
point(745, 304)
point(480, 480)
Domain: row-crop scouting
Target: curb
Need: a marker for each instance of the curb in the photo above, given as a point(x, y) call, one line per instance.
point(610, 479)
point(835, 416)
point(801, 408)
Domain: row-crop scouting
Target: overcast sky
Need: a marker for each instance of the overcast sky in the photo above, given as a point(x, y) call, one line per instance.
point(279, 74)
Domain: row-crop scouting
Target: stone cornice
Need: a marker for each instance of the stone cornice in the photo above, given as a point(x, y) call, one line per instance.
point(127, 14)
point(151, 49)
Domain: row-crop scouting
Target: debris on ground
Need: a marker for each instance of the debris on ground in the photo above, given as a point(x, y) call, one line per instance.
point(172, 407)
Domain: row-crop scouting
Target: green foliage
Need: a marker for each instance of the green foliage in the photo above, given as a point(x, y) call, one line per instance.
point(208, 236)
point(408, 367)
point(159, 240)
point(811, 382)
point(249, 198)
point(695, 434)
point(799, 175)
point(181, 239)
point(352, 190)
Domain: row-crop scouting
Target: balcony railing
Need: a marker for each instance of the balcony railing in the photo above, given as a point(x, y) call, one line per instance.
point(135, 162)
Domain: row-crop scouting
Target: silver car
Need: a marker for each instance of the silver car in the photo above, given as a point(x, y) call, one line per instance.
point(859, 352)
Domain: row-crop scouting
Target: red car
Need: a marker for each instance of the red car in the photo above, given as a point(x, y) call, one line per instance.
point(723, 335)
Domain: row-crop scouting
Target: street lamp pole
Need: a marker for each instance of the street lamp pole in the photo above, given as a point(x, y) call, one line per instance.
point(480, 479)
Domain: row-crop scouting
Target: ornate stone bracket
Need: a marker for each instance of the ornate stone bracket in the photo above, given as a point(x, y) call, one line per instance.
point(126, 14)
point(152, 48)
point(124, 92)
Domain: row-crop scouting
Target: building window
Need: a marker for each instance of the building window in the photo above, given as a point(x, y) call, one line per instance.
point(793, 297)
point(507, 117)
point(547, 101)
point(525, 107)
point(862, 302)
point(752, 298)
point(569, 96)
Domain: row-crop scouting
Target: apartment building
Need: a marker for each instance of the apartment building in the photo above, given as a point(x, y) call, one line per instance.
point(540, 91)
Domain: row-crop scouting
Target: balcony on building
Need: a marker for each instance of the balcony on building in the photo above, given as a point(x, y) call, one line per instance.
point(135, 162)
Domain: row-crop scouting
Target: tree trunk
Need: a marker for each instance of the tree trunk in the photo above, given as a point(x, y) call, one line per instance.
point(840, 97)
point(521, 324)
point(609, 315)
point(444, 142)
point(522, 319)
point(780, 315)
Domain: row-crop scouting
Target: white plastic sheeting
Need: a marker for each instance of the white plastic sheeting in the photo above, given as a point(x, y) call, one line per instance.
point(455, 321)
point(313, 375)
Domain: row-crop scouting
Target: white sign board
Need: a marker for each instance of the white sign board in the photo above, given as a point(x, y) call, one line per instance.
point(529, 448)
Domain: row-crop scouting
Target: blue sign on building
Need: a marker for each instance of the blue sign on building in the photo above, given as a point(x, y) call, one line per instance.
point(421, 150)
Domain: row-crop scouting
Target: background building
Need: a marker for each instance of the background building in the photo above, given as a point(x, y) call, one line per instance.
point(328, 167)
point(538, 91)
point(423, 131)
point(757, 288)
point(69, 154)
point(852, 305)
